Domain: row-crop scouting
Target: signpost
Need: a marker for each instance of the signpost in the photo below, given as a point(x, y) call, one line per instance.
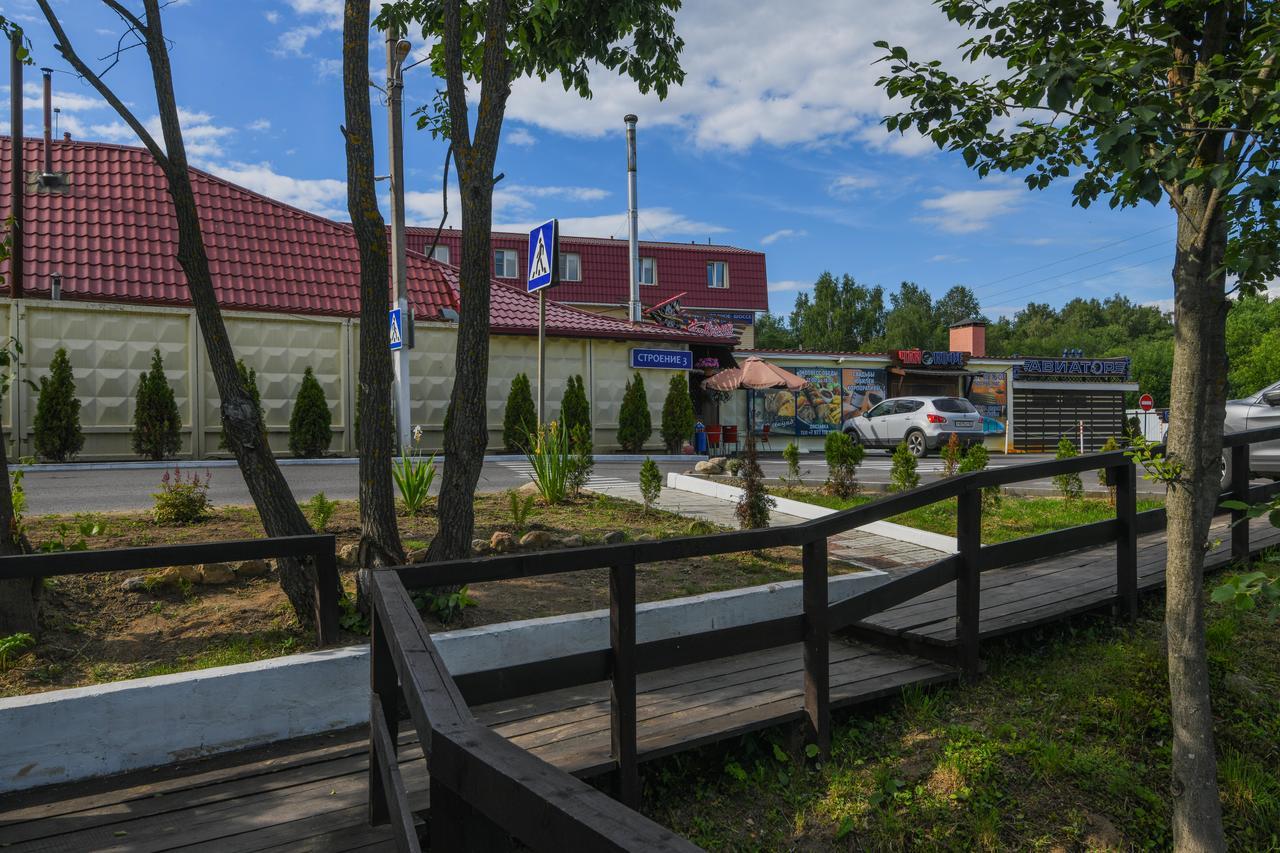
point(544, 254)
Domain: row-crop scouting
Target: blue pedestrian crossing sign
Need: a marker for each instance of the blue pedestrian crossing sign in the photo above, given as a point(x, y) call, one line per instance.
point(397, 330)
point(542, 256)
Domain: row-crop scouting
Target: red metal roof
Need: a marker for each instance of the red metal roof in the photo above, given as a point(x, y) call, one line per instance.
point(681, 268)
point(113, 237)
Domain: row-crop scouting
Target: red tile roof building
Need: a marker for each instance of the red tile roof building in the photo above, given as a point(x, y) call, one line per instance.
point(112, 237)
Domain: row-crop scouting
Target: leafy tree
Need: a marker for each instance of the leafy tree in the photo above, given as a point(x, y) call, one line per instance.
point(840, 316)
point(575, 412)
point(1253, 344)
point(57, 422)
point(480, 48)
point(1168, 101)
point(956, 305)
point(634, 423)
point(902, 471)
point(520, 419)
point(650, 483)
point(309, 423)
point(157, 425)
point(1069, 485)
point(279, 512)
point(772, 332)
point(249, 379)
point(677, 414)
point(911, 321)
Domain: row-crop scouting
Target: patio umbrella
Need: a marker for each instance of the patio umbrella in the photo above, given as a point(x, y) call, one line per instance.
point(755, 374)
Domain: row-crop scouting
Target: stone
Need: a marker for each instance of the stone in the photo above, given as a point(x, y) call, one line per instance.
point(538, 540)
point(191, 574)
point(613, 537)
point(479, 546)
point(710, 466)
point(417, 555)
point(501, 542)
point(137, 583)
point(646, 537)
point(348, 554)
point(529, 488)
point(217, 574)
point(252, 568)
point(574, 541)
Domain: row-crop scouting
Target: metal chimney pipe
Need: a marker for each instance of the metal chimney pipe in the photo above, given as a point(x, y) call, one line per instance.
point(17, 176)
point(48, 120)
point(633, 220)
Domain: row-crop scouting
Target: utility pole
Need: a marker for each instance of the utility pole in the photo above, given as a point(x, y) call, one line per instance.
point(397, 50)
point(633, 221)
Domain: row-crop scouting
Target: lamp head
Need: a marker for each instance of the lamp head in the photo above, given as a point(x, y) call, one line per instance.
point(403, 46)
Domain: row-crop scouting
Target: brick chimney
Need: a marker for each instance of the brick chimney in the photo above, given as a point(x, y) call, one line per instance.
point(970, 336)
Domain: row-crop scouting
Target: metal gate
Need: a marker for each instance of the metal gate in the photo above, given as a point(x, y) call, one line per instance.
point(1042, 416)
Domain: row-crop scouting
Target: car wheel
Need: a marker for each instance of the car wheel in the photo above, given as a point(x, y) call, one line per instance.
point(916, 444)
point(1225, 483)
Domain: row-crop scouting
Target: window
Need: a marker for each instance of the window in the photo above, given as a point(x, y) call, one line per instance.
point(906, 407)
point(954, 405)
point(505, 263)
point(441, 254)
point(717, 274)
point(570, 266)
point(881, 410)
point(648, 270)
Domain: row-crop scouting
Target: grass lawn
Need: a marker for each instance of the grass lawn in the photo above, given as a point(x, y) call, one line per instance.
point(1013, 518)
point(1063, 745)
point(93, 631)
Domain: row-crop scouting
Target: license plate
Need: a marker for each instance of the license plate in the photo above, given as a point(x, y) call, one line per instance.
point(964, 423)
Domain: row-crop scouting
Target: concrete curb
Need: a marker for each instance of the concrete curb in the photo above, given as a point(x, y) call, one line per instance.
point(800, 509)
point(66, 735)
point(61, 467)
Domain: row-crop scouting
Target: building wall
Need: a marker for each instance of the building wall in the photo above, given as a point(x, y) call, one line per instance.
point(110, 347)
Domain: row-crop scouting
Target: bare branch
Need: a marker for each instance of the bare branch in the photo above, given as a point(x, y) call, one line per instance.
point(126, 16)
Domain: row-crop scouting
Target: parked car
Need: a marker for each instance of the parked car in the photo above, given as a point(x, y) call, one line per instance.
point(1257, 412)
point(924, 423)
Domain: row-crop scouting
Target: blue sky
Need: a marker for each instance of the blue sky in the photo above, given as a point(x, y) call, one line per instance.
point(773, 143)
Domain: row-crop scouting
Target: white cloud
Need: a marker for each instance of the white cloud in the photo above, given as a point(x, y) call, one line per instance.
point(845, 186)
point(780, 234)
point(966, 211)
point(273, 17)
point(323, 196)
point(328, 68)
point(260, 125)
point(202, 137)
point(1034, 241)
point(520, 136)
point(788, 285)
point(660, 223)
point(320, 17)
point(944, 259)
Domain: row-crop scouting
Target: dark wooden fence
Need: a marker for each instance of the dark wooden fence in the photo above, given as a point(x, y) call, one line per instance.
point(486, 791)
point(319, 548)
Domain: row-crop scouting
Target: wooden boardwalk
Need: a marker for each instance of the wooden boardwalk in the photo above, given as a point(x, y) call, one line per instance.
point(310, 794)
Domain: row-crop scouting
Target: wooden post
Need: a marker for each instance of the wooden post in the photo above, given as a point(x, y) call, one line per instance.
point(1125, 479)
point(327, 586)
point(384, 687)
point(817, 648)
point(969, 580)
point(622, 686)
point(1240, 491)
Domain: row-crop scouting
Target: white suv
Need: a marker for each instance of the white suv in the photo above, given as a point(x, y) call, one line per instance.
point(1257, 412)
point(924, 423)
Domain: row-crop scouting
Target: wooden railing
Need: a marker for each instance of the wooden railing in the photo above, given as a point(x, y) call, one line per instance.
point(320, 548)
point(486, 791)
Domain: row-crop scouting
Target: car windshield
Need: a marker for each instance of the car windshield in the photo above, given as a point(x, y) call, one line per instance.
point(954, 405)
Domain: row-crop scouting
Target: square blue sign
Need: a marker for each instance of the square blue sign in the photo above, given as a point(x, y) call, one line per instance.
point(542, 256)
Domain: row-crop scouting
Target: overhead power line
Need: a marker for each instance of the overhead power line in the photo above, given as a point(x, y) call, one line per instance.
point(1094, 250)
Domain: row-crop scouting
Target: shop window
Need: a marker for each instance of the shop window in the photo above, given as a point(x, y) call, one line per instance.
point(648, 270)
point(505, 263)
point(441, 254)
point(718, 274)
point(570, 266)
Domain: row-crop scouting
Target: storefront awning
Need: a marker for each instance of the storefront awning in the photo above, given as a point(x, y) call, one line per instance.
point(901, 371)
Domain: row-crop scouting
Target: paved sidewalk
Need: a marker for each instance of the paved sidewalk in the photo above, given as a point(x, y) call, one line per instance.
point(857, 547)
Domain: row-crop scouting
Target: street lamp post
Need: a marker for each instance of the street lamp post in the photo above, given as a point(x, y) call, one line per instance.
point(397, 50)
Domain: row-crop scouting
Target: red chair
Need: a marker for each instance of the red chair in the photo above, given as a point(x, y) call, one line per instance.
point(713, 438)
point(731, 436)
point(764, 434)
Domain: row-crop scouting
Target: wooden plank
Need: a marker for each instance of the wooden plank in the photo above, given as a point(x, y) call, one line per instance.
point(969, 580)
point(1240, 476)
point(905, 588)
point(1125, 478)
point(395, 797)
point(1050, 544)
point(817, 648)
point(622, 684)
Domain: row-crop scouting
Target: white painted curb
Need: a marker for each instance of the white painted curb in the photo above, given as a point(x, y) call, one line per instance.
point(62, 467)
point(801, 509)
point(66, 735)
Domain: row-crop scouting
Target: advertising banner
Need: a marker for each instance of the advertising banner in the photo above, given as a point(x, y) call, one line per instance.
point(989, 393)
point(818, 405)
point(861, 388)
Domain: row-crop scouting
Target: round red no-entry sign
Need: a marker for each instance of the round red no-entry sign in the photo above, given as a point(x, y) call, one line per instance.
point(1146, 403)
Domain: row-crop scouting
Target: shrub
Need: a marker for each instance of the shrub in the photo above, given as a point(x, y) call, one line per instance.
point(902, 475)
point(249, 379)
point(520, 420)
point(755, 503)
point(844, 455)
point(57, 421)
point(414, 476)
point(521, 507)
point(309, 432)
point(157, 426)
point(976, 459)
point(1110, 444)
point(182, 500)
point(634, 424)
point(575, 411)
point(733, 466)
point(650, 483)
point(1069, 484)
point(951, 453)
point(677, 414)
point(319, 510)
point(581, 460)
point(551, 462)
point(13, 647)
point(791, 455)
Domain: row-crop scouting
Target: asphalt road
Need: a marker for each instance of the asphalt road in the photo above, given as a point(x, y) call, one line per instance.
point(97, 490)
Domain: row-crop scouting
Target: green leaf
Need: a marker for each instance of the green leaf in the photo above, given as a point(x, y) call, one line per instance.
point(780, 754)
point(811, 750)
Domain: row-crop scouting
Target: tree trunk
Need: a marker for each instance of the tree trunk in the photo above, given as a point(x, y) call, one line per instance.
point(1196, 405)
point(468, 424)
point(19, 597)
point(379, 535)
point(280, 513)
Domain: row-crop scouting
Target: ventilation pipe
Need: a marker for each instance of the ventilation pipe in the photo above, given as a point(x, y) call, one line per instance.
point(633, 220)
point(17, 177)
point(48, 120)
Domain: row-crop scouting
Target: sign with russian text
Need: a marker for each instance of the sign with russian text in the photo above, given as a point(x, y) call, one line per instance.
point(1095, 368)
point(662, 359)
point(931, 358)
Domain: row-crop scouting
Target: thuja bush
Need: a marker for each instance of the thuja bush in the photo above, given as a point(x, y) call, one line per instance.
point(249, 379)
point(520, 420)
point(650, 483)
point(309, 424)
point(902, 474)
point(844, 455)
point(575, 411)
point(677, 414)
point(157, 426)
point(1069, 485)
point(57, 421)
point(976, 459)
point(634, 423)
point(754, 503)
point(951, 455)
